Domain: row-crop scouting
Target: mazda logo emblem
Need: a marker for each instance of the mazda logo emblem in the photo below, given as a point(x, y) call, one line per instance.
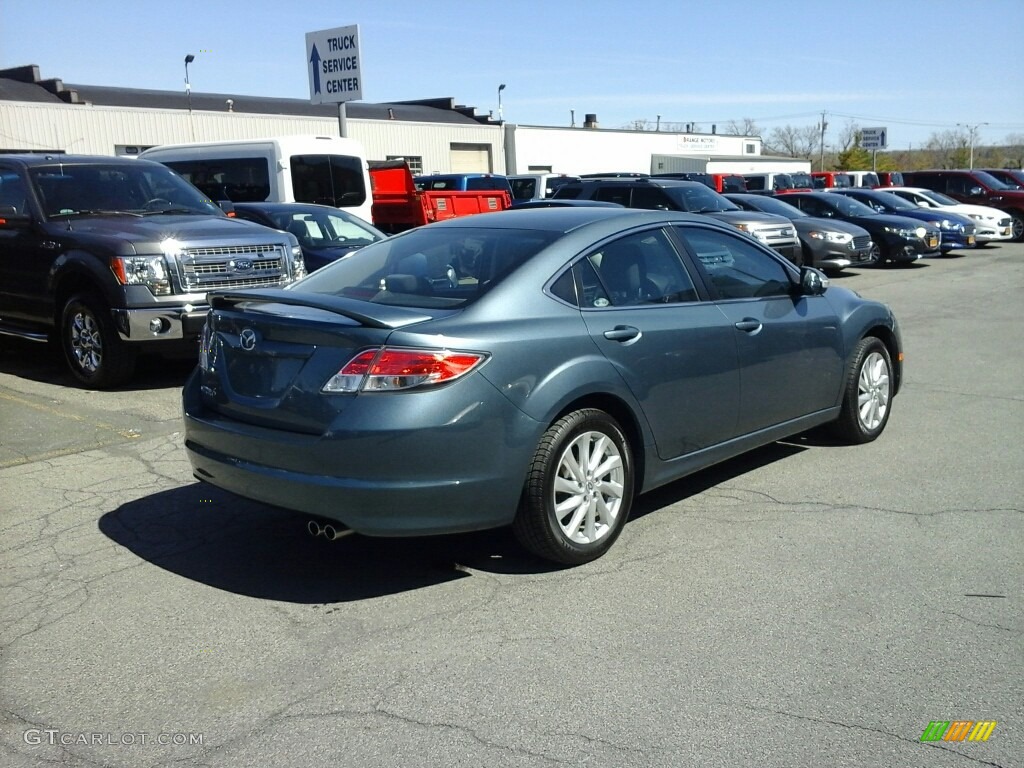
point(241, 265)
point(248, 339)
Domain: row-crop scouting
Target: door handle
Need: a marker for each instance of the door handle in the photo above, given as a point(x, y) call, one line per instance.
point(749, 325)
point(623, 333)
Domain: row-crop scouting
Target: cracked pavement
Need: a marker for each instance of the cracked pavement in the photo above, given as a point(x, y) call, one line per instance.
point(805, 605)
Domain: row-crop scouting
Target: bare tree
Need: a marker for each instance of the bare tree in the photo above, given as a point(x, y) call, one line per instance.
point(744, 127)
point(792, 141)
point(849, 136)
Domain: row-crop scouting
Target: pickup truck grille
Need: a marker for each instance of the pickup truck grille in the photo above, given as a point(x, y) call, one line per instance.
point(859, 242)
point(776, 234)
point(237, 266)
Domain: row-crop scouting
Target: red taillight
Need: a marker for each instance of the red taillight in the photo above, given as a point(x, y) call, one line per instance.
point(388, 369)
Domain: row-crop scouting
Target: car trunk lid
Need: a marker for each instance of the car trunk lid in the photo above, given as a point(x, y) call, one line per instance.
point(266, 355)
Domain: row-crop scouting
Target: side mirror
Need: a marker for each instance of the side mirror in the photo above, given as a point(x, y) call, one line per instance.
point(227, 206)
point(11, 219)
point(812, 281)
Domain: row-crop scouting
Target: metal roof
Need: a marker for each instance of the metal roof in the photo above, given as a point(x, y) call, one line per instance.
point(25, 84)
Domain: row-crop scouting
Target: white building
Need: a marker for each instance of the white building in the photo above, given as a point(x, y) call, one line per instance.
point(434, 135)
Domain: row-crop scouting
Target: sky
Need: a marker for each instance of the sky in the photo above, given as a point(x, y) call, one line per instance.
point(914, 67)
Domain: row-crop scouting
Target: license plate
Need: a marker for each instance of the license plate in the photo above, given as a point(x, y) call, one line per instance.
point(933, 242)
point(970, 239)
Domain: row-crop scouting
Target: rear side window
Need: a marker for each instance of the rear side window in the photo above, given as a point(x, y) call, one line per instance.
point(328, 180)
point(523, 189)
point(614, 194)
point(238, 179)
point(733, 184)
point(638, 269)
point(755, 182)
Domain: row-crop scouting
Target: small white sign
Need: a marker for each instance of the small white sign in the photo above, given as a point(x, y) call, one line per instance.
point(332, 60)
point(873, 138)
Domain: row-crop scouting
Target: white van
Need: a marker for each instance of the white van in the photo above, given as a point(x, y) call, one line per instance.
point(326, 170)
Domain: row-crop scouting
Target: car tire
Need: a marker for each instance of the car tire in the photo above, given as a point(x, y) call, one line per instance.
point(92, 347)
point(1018, 227)
point(867, 393)
point(578, 491)
point(877, 257)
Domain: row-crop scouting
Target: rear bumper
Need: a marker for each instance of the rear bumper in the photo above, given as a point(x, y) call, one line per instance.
point(443, 475)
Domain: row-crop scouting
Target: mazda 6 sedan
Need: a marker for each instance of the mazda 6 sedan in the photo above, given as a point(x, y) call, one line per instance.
point(534, 369)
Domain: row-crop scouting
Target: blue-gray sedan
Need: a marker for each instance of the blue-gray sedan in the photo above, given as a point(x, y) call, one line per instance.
point(533, 368)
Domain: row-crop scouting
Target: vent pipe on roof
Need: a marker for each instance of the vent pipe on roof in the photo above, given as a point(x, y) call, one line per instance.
point(590, 120)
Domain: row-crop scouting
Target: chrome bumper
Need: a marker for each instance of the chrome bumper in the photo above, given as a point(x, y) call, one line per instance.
point(183, 322)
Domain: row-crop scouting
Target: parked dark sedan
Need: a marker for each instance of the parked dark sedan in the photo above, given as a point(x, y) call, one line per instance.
point(958, 232)
point(325, 234)
point(900, 239)
point(827, 244)
point(583, 355)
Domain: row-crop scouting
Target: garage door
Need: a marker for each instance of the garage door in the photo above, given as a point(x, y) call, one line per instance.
point(471, 158)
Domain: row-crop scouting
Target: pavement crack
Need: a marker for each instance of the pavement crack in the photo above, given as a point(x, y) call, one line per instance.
point(878, 731)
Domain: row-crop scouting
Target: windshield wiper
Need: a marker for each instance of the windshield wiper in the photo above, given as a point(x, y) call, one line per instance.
point(95, 212)
point(175, 211)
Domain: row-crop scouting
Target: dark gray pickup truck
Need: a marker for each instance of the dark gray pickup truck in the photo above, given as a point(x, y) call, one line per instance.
point(110, 257)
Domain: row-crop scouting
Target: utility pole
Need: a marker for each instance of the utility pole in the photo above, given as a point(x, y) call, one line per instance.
point(823, 126)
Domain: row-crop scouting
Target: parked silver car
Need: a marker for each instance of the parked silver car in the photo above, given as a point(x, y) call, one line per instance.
point(827, 244)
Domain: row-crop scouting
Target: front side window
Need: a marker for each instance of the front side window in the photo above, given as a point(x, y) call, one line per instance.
point(737, 268)
point(328, 180)
point(12, 192)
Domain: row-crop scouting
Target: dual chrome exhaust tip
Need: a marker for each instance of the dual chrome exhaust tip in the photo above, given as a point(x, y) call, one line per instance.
point(330, 531)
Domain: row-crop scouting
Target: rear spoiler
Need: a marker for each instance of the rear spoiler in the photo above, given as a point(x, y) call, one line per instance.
point(384, 316)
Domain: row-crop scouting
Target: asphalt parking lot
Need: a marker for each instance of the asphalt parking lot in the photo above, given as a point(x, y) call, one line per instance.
point(806, 605)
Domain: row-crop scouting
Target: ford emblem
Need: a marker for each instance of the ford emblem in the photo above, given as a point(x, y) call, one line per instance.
point(248, 339)
point(241, 265)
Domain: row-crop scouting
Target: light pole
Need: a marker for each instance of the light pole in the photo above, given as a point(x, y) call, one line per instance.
point(500, 89)
point(188, 88)
point(972, 130)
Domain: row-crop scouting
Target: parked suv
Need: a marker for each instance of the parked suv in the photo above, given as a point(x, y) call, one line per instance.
point(976, 187)
point(537, 186)
point(689, 196)
point(114, 256)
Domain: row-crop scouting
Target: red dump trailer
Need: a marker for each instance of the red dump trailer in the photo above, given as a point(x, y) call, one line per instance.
point(398, 205)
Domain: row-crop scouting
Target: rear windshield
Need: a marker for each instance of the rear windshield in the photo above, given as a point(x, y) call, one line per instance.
point(428, 267)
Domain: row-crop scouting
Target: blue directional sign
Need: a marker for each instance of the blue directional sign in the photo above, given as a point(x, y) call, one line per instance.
point(332, 59)
point(873, 138)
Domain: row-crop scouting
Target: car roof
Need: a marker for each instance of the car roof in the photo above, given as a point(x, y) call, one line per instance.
point(568, 218)
point(283, 207)
point(32, 159)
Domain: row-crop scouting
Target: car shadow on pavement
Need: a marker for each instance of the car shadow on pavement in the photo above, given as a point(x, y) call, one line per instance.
point(706, 479)
point(44, 363)
point(213, 537)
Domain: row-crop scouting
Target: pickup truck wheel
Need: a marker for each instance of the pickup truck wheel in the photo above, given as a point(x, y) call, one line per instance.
point(94, 351)
point(578, 491)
